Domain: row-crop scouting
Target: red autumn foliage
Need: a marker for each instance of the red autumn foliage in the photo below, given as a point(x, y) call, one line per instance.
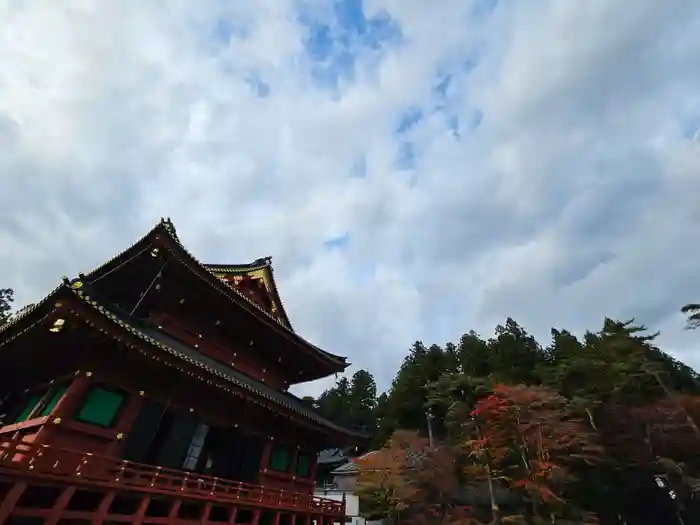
point(412, 481)
point(532, 440)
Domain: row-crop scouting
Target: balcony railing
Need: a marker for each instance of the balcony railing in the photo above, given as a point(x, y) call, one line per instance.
point(28, 460)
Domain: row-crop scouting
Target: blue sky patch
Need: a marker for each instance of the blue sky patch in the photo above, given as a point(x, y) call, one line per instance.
point(453, 126)
point(483, 8)
point(333, 45)
point(691, 126)
point(337, 243)
point(443, 85)
point(226, 30)
point(258, 86)
point(359, 167)
point(406, 158)
point(410, 118)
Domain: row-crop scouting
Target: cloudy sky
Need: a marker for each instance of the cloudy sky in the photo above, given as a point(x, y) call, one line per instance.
point(414, 171)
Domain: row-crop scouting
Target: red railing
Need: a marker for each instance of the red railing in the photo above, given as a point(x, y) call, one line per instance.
point(52, 463)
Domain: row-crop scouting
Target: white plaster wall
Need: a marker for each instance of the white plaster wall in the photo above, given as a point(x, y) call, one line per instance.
point(352, 504)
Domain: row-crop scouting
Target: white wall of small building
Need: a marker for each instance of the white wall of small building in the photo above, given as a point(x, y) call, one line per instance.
point(352, 505)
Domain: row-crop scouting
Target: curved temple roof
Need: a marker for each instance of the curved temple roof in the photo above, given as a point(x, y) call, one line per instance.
point(260, 268)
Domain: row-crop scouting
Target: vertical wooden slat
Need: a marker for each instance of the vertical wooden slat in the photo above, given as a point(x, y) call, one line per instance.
point(232, 516)
point(205, 514)
point(256, 517)
point(175, 509)
point(8, 504)
point(103, 509)
point(138, 517)
point(60, 506)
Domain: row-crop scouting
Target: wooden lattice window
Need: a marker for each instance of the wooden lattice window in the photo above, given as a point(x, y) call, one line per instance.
point(280, 459)
point(101, 407)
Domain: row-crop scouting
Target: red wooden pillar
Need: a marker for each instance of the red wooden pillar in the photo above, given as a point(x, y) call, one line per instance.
point(312, 474)
point(265, 459)
point(124, 424)
point(65, 408)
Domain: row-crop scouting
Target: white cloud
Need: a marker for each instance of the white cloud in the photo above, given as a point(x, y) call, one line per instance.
point(575, 198)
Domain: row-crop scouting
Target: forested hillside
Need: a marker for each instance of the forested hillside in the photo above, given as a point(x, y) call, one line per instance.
point(580, 429)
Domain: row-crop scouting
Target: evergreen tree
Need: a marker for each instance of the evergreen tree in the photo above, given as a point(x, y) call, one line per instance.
point(351, 403)
point(407, 401)
point(362, 401)
point(333, 403)
point(693, 312)
point(7, 297)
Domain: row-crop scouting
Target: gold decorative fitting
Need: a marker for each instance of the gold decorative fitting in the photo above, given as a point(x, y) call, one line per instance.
point(57, 421)
point(141, 393)
point(57, 326)
point(77, 285)
point(57, 304)
point(121, 436)
point(182, 300)
point(191, 409)
point(154, 252)
point(157, 286)
point(217, 323)
point(88, 374)
point(251, 343)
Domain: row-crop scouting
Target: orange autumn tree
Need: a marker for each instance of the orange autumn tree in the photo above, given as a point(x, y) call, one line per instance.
point(411, 482)
point(532, 440)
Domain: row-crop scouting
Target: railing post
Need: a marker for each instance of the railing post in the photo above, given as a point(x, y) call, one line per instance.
point(232, 516)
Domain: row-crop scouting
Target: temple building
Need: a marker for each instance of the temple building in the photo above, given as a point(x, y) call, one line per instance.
point(154, 389)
